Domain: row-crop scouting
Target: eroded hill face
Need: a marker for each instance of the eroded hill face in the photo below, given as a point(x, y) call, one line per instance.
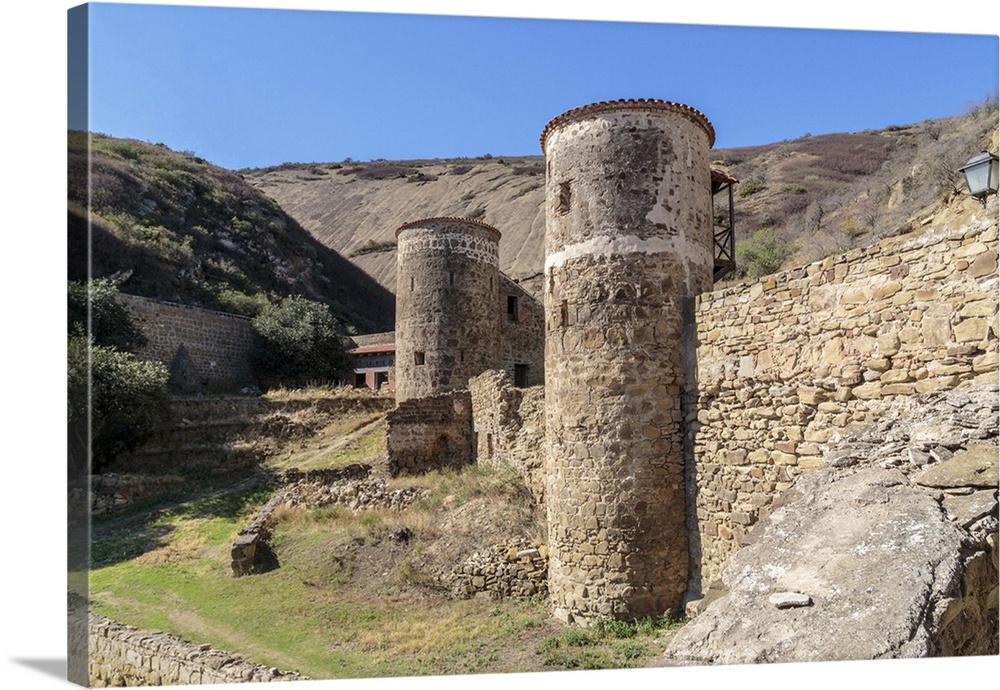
point(355, 208)
point(825, 194)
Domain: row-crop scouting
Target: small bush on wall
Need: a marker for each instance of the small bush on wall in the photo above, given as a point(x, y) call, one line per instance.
point(762, 254)
point(110, 323)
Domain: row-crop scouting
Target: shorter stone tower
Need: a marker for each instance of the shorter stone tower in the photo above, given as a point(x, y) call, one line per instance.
point(628, 244)
point(447, 289)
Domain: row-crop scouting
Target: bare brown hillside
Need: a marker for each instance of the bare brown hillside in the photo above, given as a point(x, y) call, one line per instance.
point(822, 193)
point(355, 208)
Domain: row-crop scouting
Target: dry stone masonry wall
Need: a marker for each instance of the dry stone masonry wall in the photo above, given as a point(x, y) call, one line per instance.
point(426, 434)
point(509, 425)
point(896, 535)
point(516, 568)
point(786, 364)
point(112, 492)
point(206, 351)
point(123, 656)
point(629, 243)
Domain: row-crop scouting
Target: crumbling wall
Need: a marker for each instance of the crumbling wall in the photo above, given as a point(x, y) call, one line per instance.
point(425, 434)
point(787, 363)
point(121, 655)
point(509, 426)
point(522, 333)
point(351, 486)
point(516, 568)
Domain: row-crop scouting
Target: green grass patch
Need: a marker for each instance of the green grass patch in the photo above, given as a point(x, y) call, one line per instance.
point(608, 643)
point(314, 614)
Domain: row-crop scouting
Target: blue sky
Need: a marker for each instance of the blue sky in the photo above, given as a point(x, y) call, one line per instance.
point(246, 87)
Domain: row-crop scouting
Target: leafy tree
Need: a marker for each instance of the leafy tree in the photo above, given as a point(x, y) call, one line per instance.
point(110, 322)
point(762, 254)
point(297, 342)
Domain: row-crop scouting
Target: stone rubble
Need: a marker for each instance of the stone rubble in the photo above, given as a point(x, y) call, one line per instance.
point(351, 486)
point(515, 568)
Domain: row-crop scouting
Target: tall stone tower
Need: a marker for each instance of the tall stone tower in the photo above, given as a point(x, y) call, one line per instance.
point(628, 244)
point(447, 292)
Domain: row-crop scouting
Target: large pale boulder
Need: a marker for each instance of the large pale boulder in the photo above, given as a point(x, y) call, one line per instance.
point(890, 551)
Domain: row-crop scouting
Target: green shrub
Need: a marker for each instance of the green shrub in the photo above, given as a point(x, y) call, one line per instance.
point(115, 401)
point(762, 254)
point(374, 247)
point(127, 401)
point(748, 188)
point(297, 342)
point(236, 302)
point(851, 228)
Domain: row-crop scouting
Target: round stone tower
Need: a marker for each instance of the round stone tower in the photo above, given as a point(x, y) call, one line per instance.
point(628, 244)
point(447, 304)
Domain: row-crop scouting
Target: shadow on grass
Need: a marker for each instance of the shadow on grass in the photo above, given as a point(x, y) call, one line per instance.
point(113, 548)
point(227, 505)
point(143, 528)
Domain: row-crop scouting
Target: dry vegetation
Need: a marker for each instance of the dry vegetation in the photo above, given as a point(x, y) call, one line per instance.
point(826, 194)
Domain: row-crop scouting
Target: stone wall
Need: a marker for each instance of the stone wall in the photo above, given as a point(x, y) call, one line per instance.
point(889, 550)
point(425, 434)
point(206, 351)
point(787, 363)
point(121, 655)
point(516, 568)
point(221, 433)
point(112, 492)
point(509, 426)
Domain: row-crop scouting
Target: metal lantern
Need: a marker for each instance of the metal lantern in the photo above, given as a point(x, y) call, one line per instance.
point(981, 176)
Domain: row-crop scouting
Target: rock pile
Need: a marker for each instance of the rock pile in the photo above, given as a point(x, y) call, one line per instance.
point(351, 486)
point(359, 495)
point(516, 568)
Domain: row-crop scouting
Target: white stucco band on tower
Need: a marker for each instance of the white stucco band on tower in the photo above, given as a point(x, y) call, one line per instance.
point(612, 245)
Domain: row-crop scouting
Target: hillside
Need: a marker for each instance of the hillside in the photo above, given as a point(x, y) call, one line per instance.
point(355, 208)
point(171, 226)
point(822, 193)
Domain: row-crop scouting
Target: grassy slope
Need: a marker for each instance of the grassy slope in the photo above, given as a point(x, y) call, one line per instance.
point(348, 600)
point(180, 229)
